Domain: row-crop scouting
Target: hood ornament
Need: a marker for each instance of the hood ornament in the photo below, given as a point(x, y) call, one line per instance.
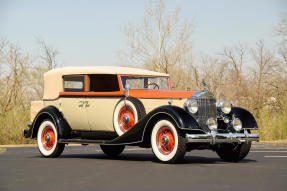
point(205, 85)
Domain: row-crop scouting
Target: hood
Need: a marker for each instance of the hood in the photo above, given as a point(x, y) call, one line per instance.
point(148, 93)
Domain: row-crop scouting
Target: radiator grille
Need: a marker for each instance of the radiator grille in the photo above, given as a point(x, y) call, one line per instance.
point(206, 109)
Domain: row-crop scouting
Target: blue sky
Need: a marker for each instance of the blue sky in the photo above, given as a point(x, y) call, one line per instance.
point(90, 32)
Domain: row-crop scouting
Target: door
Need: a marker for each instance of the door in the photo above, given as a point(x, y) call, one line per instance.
point(73, 103)
point(104, 95)
point(100, 113)
point(74, 111)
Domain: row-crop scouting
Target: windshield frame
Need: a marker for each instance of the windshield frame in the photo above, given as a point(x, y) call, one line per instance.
point(152, 76)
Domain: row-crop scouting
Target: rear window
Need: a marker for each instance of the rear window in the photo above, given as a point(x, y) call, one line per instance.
point(74, 83)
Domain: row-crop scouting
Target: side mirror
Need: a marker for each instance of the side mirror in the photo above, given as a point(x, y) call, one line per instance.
point(128, 87)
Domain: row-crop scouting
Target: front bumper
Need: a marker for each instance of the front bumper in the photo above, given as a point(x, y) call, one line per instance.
point(217, 138)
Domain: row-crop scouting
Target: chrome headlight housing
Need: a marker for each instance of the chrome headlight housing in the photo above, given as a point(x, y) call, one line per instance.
point(225, 106)
point(237, 124)
point(212, 124)
point(191, 105)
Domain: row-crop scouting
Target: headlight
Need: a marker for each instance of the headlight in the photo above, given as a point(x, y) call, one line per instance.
point(191, 105)
point(225, 106)
point(237, 124)
point(212, 124)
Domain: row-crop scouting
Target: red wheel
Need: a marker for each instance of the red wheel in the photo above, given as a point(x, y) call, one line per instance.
point(165, 140)
point(47, 138)
point(126, 118)
point(168, 145)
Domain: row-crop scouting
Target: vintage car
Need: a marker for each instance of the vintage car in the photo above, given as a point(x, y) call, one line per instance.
point(119, 106)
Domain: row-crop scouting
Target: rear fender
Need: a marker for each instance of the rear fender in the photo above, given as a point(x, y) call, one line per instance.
point(52, 113)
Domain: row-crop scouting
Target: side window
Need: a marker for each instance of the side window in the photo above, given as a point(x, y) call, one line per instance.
point(74, 83)
point(104, 83)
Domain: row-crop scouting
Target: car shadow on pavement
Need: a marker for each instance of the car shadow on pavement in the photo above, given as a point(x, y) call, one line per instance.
point(209, 160)
point(151, 157)
point(124, 157)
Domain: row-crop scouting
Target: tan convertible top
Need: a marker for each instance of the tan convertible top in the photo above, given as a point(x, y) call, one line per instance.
point(53, 83)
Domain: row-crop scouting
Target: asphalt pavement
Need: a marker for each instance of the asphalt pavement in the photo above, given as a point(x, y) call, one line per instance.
point(87, 168)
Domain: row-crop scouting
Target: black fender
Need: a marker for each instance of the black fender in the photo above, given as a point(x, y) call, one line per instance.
point(141, 130)
point(50, 112)
point(247, 119)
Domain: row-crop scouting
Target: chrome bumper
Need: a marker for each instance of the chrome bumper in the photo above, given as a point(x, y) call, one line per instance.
point(215, 138)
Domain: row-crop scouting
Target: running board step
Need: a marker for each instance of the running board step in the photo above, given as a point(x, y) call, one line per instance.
point(82, 141)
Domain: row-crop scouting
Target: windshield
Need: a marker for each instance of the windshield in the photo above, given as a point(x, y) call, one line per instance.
point(146, 82)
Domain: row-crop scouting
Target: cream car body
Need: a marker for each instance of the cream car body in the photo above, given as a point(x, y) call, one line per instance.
point(117, 106)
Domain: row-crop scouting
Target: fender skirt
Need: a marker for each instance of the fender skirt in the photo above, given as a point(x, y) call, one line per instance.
point(247, 119)
point(183, 120)
point(64, 130)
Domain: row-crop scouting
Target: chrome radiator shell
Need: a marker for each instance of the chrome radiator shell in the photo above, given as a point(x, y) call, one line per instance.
point(206, 108)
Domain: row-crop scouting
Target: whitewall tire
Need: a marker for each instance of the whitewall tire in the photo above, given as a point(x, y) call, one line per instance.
point(47, 138)
point(167, 144)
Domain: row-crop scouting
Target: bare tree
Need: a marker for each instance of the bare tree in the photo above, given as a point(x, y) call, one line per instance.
point(48, 61)
point(213, 71)
point(281, 31)
point(161, 42)
point(2, 45)
point(265, 69)
point(280, 84)
point(14, 86)
point(36, 81)
point(233, 60)
point(48, 55)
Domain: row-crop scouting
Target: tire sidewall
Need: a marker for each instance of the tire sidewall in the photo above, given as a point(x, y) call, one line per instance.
point(239, 152)
point(43, 151)
point(119, 106)
point(158, 154)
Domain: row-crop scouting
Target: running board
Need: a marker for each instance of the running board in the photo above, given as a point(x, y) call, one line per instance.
point(82, 141)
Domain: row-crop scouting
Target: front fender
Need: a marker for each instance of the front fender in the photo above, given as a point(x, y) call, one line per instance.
point(247, 119)
point(143, 127)
point(182, 118)
point(50, 112)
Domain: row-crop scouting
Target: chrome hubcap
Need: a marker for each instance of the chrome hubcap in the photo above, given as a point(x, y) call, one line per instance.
point(164, 140)
point(47, 138)
point(126, 119)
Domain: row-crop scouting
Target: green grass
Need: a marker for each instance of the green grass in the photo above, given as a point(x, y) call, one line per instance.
point(11, 125)
point(272, 125)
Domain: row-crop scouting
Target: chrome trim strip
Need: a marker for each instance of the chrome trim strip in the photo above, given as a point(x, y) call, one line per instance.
point(215, 138)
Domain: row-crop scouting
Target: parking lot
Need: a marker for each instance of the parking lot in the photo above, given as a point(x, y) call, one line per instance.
point(87, 168)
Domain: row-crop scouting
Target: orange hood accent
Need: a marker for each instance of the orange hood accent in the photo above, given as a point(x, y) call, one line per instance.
point(147, 93)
